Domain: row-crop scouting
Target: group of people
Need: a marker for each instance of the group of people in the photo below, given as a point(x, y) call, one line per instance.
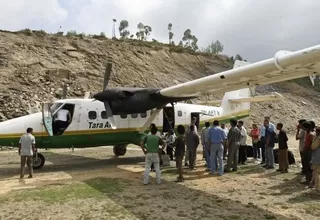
point(221, 143)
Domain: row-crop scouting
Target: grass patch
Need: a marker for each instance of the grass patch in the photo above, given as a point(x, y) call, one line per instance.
point(270, 217)
point(92, 188)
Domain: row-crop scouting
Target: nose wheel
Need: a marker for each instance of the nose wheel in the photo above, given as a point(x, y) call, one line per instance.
point(38, 161)
point(120, 150)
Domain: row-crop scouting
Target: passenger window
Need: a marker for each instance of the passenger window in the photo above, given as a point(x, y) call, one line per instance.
point(143, 115)
point(92, 115)
point(104, 115)
point(179, 113)
point(123, 116)
point(134, 115)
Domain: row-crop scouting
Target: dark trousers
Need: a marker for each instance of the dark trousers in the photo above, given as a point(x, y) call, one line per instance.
point(170, 152)
point(256, 150)
point(307, 165)
point(302, 162)
point(283, 159)
point(192, 157)
point(242, 154)
point(262, 145)
point(225, 149)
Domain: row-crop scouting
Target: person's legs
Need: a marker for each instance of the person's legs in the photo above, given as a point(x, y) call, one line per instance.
point(316, 176)
point(220, 151)
point(148, 163)
point(203, 152)
point(286, 161)
point(230, 156)
point(156, 162)
point(281, 160)
point(307, 160)
point(263, 150)
point(186, 158)
point(213, 155)
point(302, 163)
point(235, 156)
point(225, 149)
point(194, 156)
point(179, 168)
point(244, 154)
point(255, 150)
point(271, 157)
point(208, 160)
point(22, 164)
point(191, 158)
point(30, 166)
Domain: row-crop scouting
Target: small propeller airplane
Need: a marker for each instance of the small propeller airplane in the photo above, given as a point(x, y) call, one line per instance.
point(120, 116)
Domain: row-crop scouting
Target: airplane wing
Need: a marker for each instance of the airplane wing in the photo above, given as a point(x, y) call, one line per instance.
point(284, 66)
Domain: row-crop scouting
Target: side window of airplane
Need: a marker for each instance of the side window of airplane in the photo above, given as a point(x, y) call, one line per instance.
point(180, 113)
point(134, 115)
point(92, 115)
point(123, 116)
point(143, 115)
point(104, 115)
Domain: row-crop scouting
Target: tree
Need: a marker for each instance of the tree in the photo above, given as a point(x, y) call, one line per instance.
point(141, 31)
point(215, 47)
point(191, 40)
point(147, 31)
point(187, 37)
point(238, 57)
point(131, 36)
point(124, 24)
point(180, 44)
point(170, 33)
point(194, 43)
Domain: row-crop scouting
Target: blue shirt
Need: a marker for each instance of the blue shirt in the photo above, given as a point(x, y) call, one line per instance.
point(270, 132)
point(216, 135)
point(263, 129)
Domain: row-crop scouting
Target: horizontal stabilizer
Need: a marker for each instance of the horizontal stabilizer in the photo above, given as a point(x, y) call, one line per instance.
point(262, 98)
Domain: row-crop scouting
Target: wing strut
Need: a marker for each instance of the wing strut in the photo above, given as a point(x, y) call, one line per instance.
point(150, 119)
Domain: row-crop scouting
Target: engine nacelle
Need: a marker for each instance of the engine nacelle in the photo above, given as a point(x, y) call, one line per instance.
point(113, 95)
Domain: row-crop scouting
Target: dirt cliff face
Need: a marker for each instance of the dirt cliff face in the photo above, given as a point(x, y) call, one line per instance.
point(34, 66)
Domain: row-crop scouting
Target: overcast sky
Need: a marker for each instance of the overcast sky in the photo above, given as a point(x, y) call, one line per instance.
point(255, 29)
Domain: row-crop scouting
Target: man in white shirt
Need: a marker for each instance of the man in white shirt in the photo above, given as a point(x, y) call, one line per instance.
point(243, 143)
point(26, 148)
point(62, 120)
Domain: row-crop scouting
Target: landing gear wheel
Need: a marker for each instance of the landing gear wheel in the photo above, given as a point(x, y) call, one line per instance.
point(119, 150)
point(39, 161)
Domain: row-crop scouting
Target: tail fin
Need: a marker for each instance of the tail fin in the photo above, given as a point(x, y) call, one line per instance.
point(238, 109)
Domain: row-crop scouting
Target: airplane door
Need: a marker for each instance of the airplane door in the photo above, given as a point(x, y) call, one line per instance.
point(197, 116)
point(47, 118)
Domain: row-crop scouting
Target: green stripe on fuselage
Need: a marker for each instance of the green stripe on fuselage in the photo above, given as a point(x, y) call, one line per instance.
point(82, 140)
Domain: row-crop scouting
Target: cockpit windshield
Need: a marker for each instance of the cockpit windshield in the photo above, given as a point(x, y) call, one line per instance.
point(54, 106)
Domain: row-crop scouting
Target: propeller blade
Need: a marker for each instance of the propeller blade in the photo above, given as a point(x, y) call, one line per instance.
point(107, 73)
point(110, 115)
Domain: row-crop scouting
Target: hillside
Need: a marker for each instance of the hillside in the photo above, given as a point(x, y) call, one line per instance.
point(33, 67)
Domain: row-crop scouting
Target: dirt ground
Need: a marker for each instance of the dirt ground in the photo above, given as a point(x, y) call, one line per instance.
point(92, 184)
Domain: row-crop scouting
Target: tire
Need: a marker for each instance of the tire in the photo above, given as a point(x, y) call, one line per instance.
point(119, 150)
point(39, 163)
